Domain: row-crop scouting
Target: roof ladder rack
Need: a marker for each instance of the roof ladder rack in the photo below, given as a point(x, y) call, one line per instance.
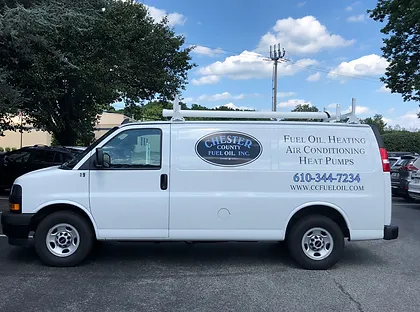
point(178, 114)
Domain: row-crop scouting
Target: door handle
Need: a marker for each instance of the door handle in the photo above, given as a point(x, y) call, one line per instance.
point(163, 181)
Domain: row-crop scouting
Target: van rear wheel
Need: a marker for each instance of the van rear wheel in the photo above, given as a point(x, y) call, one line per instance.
point(63, 239)
point(316, 242)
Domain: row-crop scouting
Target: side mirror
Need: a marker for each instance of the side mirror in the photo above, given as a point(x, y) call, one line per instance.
point(99, 157)
point(102, 159)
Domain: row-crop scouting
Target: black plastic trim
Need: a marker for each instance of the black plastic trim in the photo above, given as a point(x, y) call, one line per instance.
point(390, 232)
point(163, 181)
point(378, 136)
point(16, 226)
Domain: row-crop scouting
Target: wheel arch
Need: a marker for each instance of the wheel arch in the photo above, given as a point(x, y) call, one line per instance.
point(320, 208)
point(51, 207)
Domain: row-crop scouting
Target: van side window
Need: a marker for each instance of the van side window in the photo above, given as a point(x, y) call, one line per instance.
point(135, 149)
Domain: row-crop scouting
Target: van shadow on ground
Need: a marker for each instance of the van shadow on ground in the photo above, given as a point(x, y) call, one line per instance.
point(192, 257)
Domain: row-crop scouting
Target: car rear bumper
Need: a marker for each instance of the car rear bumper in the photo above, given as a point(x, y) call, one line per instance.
point(16, 227)
point(390, 232)
point(415, 195)
point(400, 188)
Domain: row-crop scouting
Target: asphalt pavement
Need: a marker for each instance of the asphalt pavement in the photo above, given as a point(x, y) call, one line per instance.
point(372, 276)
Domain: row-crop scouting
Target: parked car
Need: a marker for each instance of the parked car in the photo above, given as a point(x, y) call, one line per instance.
point(401, 176)
point(414, 185)
point(395, 156)
point(393, 160)
point(18, 162)
point(75, 150)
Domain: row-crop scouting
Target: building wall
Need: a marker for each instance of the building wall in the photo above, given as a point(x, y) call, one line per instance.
point(12, 139)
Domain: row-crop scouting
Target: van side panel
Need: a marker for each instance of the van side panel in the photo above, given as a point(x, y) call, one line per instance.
point(214, 198)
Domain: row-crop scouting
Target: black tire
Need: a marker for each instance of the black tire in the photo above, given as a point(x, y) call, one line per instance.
point(295, 236)
point(82, 226)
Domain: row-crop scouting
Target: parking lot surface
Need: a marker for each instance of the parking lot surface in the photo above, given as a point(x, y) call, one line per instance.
point(372, 276)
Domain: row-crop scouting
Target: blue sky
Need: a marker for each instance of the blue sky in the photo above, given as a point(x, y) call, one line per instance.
point(332, 51)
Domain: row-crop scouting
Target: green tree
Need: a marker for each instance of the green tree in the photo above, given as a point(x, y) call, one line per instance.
point(305, 108)
point(10, 99)
point(74, 58)
point(401, 48)
point(402, 141)
point(376, 120)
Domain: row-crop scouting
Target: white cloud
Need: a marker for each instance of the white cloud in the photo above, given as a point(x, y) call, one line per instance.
point(301, 4)
point(233, 106)
point(350, 7)
point(247, 65)
point(356, 18)
point(210, 79)
point(360, 110)
point(220, 96)
point(387, 120)
point(366, 65)
point(384, 89)
point(314, 77)
point(409, 121)
point(205, 51)
point(285, 94)
point(188, 100)
point(173, 18)
point(304, 35)
point(294, 102)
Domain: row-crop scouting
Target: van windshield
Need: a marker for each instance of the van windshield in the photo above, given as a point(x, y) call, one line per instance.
point(72, 163)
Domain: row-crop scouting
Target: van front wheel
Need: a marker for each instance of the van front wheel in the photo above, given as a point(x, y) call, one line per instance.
point(316, 242)
point(63, 239)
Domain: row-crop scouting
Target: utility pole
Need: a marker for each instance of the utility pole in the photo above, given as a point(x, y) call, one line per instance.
point(275, 55)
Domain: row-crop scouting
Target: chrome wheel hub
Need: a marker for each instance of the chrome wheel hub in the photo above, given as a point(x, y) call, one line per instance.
point(317, 243)
point(62, 240)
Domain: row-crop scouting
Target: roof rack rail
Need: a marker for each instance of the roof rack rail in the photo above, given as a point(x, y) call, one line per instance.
point(178, 114)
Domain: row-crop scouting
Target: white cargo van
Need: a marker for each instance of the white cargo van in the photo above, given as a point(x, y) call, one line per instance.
point(312, 184)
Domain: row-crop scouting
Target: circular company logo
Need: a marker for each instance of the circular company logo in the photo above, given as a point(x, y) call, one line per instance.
point(228, 148)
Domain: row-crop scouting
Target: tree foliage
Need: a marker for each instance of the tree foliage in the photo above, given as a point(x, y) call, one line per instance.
point(10, 99)
point(377, 120)
point(305, 108)
point(152, 111)
point(401, 48)
point(71, 59)
point(402, 141)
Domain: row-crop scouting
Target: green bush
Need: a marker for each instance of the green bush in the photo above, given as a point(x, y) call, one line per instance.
point(14, 148)
point(1, 149)
point(8, 149)
point(402, 141)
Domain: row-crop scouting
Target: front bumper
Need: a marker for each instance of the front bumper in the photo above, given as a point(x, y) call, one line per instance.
point(16, 227)
point(390, 232)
